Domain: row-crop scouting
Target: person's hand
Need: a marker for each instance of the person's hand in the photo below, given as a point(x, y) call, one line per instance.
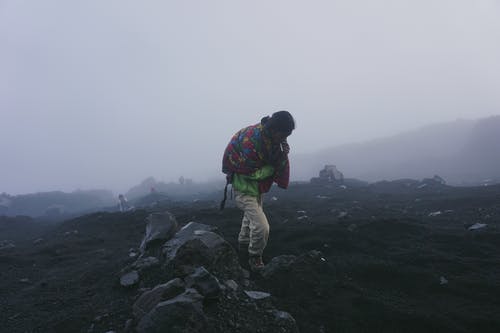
point(285, 148)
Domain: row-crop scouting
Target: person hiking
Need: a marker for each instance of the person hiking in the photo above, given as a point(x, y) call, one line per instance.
point(123, 203)
point(255, 158)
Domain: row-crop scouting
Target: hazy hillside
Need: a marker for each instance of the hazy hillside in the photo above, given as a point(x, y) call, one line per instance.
point(462, 152)
point(185, 189)
point(55, 204)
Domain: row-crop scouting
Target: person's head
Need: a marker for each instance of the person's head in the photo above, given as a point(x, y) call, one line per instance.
point(280, 125)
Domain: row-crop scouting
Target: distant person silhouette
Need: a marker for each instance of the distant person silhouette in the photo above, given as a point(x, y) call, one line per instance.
point(123, 203)
point(255, 158)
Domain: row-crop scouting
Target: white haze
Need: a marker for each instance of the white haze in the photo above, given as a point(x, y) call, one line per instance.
point(102, 94)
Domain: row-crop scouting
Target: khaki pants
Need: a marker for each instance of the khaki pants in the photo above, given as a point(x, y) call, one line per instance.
point(254, 226)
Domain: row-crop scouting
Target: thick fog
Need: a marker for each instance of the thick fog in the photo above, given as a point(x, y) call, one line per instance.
point(102, 94)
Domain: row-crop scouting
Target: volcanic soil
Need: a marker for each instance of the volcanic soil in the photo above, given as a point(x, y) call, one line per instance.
point(398, 257)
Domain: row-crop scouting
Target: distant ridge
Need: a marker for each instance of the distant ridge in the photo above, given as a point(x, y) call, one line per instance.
point(463, 152)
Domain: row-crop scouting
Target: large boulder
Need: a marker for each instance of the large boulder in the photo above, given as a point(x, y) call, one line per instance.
point(160, 228)
point(187, 232)
point(181, 314)
point(194, 246)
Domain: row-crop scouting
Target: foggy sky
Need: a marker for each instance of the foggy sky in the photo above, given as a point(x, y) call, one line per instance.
point(102, 94)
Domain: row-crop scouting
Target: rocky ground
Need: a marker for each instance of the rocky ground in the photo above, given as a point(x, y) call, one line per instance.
point(402, 256)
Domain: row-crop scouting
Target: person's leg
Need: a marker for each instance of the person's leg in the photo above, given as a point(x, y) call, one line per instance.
point(244, 235)
point(257, 222)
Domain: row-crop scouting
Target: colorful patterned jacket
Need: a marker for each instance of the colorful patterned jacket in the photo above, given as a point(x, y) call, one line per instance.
point(249, 150)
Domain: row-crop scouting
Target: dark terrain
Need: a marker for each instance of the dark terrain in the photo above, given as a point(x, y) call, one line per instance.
point(399, 257)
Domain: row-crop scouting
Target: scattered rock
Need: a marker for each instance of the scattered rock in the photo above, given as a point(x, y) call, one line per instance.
point(144, 263)
point(149, 299)
point(277, 264)
point(129, 326)
point(132, 253)
point(302, 215)
point(477, 226)
point(130, 279)
point(342, 215)
point(160, 228)
point(283, 273)
point(231, 284)
point(257, 295)
point(435, 213)
point(38, 241)
point(72, 232)
point(285, 321)
point(181, 314)
point(352, 227)
point(204, 282)
point(101, 317)
point(6, 244)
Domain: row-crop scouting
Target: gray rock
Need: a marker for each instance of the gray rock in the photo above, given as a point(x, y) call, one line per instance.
point(257, 295)
point(181, 314)
point(145, 263)
point(477, 226)
point(284, 321)
point(277, 264)
point(160, 228)
point(204, 282)
point(342, 215)
point(188, 232)
point(190, 248)
point(282, 315)
point(38, 241)
point(231, 284)
point(6, 244)
point(286, 264)
point(130, 279)
point(128, 328)
point(149, 299)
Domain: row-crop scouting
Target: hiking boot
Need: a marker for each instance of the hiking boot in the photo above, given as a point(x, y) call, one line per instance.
point(256, 264)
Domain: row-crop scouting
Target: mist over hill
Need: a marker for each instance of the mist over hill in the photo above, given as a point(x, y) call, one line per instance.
point(185, 189)
point(463, 152)
point(56, 204)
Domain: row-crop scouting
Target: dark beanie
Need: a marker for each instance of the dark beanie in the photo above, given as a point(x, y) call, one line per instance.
point(282, 121)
